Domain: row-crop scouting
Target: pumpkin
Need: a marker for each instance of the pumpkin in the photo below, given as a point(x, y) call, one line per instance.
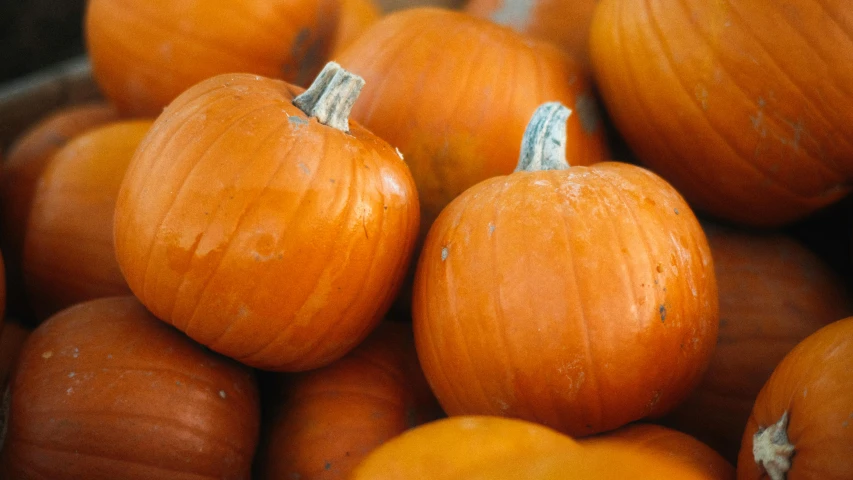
point(144, 53)
point(736, 104)
point(801, 426)
point(563, 23)
point(103, 390)
point(26, 159)
point(582, 298)
point(356, 16)
point(327, 420)
point(773, 294)
point(68, 249)
point(482, 447)
point(658, 440)
point(454, 93)
point(273, 233)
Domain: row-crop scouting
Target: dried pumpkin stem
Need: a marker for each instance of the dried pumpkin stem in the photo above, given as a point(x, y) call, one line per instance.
point(331, 97)
point(543, 146)
point(772, 450)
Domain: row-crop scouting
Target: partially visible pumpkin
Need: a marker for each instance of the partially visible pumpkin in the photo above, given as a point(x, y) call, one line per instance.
point(68, 251)
point(582, 298)
point(144, 53)
point(273, 233)
point(23, 165)
point(432, 80)
point(493, 448)
point(327, 420)
point(740, 105)
point(356, 16)
point(801, 427)
point(565, 23)
point(773, 294)
point(103, 390)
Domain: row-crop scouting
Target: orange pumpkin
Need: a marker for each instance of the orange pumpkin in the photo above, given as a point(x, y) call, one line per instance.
point(327, 420)
point(496, 448)
point(737, 104)
point(103, 390)
point(582, 298)
point(801, 426)
point(563, 23)
point(144, 53)
point(356, 16)
point(23, 165)
point(433, 77)
point(68, 250)
point(269, 234)
point(773, 294)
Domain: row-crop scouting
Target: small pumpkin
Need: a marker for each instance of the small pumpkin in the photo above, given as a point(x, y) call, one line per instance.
point(736, 104)
point(801, 426)
point(24, 163)
point(432, 79)
point(261, 222)
point(482, 447)
point(144, 53)
point(327, 420)
point(773, 294)
point(104, 390)
point(68, 248)
point(356, 16)
point(582, 298)
point(563, 23)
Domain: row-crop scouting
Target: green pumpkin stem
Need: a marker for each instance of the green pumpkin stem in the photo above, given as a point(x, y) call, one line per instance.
point(331, 97)
point(543, 146)
point(772, 450)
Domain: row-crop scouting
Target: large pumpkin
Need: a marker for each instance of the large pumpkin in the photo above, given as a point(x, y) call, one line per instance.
point(801, 427)
point(68, 248)
point(327, 420)
point(740, 105)
point(493, 448)
point(582, 298)
point(773, 294)
point(564, 23)
point(144, 53)
point(262, 232)
point(454, 93)
point(103, 390)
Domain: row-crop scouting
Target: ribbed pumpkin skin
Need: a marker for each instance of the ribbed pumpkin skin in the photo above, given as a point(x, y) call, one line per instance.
point(773, 294)
point(103, 390)
point(742, 106)
point(563, 23)
point(329, 419)
point(493, 448)
point(261, 233)
point(582, 299)
point(454, 93)
point(812, 383)
point(144, 53)
point(68, 250)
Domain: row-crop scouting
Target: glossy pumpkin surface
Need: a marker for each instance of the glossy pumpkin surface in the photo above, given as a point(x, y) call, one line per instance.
point(773, 294)
point(144, 53)
point(500, 448)
point(582, 299)
point(327, 420)
point(68, 251)
point(266, 236)
point(740, 105)
point(104, 390)
point(432, 77)
point(812, 386)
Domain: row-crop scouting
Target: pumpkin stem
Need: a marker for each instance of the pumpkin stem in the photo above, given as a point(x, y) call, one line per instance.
point(331, 97)
point(772, 450)
point(543, 146)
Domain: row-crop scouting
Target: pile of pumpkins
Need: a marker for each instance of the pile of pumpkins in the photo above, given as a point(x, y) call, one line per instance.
point(302, 239)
